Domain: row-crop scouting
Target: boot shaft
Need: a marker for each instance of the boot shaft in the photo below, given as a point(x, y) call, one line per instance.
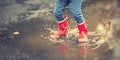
point(63, 25)
point(82, 28)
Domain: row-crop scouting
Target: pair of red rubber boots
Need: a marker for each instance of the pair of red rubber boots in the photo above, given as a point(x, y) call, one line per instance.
point(63, 30)
point(83, 33)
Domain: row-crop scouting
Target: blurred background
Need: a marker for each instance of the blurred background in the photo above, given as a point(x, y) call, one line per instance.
point(26, 24)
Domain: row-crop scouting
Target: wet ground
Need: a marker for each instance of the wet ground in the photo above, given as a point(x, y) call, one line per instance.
point(32, 44)
point(28, 39)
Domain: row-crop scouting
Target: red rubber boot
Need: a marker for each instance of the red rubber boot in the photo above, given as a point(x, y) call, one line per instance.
point(62, 29)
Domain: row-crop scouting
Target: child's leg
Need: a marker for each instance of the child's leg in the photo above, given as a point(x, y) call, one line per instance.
point(75, 7)
point(59, 9)
point(62, 21)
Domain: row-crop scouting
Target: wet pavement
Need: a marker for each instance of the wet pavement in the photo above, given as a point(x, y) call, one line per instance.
point(32, 43)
